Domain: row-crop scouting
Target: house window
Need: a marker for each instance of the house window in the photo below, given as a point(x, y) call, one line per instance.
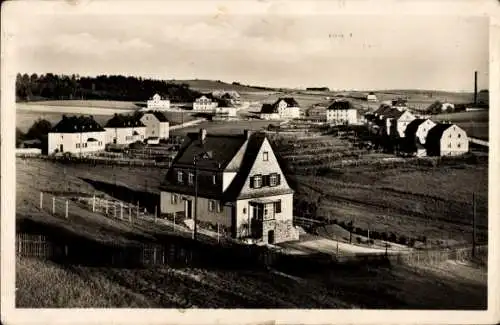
point(179, 177)
point(458, 145)
point(174, 198)
point(257, 182)
point(191, 178)
point(78, 145)
point(265, 156)
point(244, 210)
point(459, 135)
point(211, 205)
point(214, 179)
point(277, 206)
point(449, 145)
point(274, 180)
point(219, 207)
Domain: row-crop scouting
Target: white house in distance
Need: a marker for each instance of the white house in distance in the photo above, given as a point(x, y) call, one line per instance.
point(157, 103)
point(241, 187)
point(371, 97)
point(157, 125)
point(447, 106)
point(447, 140)
point(341, 112)
point(204, 104)
point(284, 108)
point(416, 135)
point(124, 130)
point(77, 135)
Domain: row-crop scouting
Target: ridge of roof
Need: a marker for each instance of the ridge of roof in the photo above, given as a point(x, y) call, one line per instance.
point(77, 124)
point(124, 121)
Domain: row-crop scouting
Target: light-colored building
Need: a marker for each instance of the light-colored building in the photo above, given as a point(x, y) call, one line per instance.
point(157, 125)
point(124, 130)
point(447, 107)
point(284, 108)
point(416, 136)
point(447, 140)
point(241, 187)
point(77, 135)
point(157, 103)
point(371, 97)
point(341, 112)
point(205, 104)
point(396, 122)
point(418, 129)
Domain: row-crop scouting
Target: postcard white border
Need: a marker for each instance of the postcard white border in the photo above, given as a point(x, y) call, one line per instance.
point(17, 9)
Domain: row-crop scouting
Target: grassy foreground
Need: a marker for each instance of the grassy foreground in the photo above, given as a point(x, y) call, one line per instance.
point(446, 286)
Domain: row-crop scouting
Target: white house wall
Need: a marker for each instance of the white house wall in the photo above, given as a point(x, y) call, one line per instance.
point(155, 128)
point(125, 135)
point(341, 116)
point(454, 142)
point(403, 122)
point(75, 142)
point(423, 129)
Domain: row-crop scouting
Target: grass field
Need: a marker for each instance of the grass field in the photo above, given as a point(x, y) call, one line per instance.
point(89, 103)
point(445, 286)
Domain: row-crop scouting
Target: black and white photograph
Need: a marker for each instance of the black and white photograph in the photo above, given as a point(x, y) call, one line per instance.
point(250, 155)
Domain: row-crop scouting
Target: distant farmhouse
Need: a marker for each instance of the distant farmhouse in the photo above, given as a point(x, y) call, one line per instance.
point(341, 112)
point(447, 107)
point(446, 140)
point(157, 125)
point(284, 108)
point(157, 103)
point(231, 97)
point(124, 130)
point(240, 187)
point(77, 135)
point(371, 97)
point(205, 104)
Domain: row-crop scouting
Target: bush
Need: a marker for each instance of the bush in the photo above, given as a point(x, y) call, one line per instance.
point(384, 236)
point(403, 240)
point(358, 231)
point(371, 242)
point(358, 240)
point(392, 237)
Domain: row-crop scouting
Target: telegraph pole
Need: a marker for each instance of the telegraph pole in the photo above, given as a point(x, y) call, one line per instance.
point(195, 217)
point(473, 224)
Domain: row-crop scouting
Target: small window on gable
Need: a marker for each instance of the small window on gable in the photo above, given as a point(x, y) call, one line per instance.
point(459, 135)
point(265, 156)
point(214, 179)
point(179, 177)
point(190, 178)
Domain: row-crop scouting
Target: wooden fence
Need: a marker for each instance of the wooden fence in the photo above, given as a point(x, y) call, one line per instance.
point(94, 160)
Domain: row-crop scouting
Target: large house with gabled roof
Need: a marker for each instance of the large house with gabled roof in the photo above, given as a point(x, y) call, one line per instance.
point(284, 108)
point(158, 103)
point(124, 129)
point(157, 124)
point(77, 135)
point(341, 112)
point(446, 139)
point(239, 183)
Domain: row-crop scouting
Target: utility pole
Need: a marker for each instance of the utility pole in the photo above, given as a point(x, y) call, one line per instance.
point(473, 225)
point(195, 197)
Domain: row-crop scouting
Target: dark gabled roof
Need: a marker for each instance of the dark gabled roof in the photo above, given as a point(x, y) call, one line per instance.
point(340, 105)
point(124, 121)
point(399, 102)
point(290, 101)
point(412, 127)
point(222, 148)
point(77, 124)
point(436, 132)
point(268, 109)
point(394, 113)
point(159, 115)
point(383, 109)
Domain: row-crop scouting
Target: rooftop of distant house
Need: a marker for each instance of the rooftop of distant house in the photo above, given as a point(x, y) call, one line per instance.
point(124, 121)
point(77, 124)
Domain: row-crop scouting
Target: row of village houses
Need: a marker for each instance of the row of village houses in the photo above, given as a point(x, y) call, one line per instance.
point(420, 136)
point(220, 103)
point(82, 134)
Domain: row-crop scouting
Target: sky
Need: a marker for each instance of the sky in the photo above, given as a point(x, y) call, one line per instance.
point(337, 51)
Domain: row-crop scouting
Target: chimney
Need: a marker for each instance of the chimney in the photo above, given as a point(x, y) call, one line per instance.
point(247, 133)
point(475, 87)
point(202, 135)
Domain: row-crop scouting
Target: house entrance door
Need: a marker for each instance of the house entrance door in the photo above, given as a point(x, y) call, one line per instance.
point(270, 236)
point(189, 209)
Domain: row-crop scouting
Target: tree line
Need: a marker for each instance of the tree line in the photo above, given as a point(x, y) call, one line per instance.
point(114, 87)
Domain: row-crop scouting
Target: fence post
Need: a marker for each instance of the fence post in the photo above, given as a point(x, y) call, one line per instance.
point(121, 210)
point(114, 209)
point(106, 207)
point(129, 211)
point(41, 200)
point(156, 211)
point(154, 255)
point(53, 205)
point(93, 203)
point(218, 236)
point(66, 209)
point(137, 209)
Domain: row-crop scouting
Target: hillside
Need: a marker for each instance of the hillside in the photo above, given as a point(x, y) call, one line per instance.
point(204, 85)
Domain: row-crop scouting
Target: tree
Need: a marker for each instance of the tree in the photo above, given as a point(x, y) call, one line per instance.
point(20, 137)
point(39, 130)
